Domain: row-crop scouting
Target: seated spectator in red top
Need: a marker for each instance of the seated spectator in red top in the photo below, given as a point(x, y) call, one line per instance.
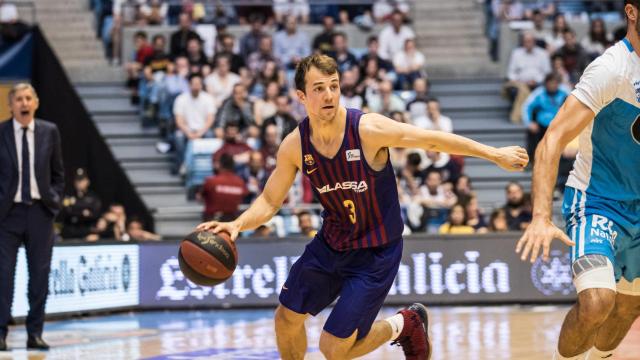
point(269, 148)
point(144, 50)
point(233, 145)
point(223, 192)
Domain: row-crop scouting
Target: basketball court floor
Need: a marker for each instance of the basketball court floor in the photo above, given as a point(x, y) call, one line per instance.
point(473, 333)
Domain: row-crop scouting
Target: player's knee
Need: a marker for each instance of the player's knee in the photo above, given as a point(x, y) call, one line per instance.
point(595, 306)
point(287, 319)
point(333, 348)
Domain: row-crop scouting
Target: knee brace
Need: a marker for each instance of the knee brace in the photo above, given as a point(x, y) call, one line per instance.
point(593, 271)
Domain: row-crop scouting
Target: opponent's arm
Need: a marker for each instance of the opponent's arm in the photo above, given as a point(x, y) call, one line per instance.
point(389, 133)
point(570, 120)
point(271, 198)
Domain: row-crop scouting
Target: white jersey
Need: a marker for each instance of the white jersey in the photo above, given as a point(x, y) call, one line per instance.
point(608, 161)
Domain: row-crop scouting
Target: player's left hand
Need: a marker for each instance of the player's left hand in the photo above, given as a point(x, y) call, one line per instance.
point(511, 158)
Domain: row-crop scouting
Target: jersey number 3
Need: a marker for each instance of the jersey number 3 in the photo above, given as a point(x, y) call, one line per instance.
point(352, 210)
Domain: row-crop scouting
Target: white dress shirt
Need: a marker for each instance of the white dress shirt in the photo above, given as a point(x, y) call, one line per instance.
point(17, 133)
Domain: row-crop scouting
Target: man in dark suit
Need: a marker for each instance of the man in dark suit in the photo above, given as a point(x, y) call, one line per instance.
point(31, 187)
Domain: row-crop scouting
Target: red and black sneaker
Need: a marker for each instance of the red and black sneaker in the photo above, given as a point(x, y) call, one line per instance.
point(414, 338)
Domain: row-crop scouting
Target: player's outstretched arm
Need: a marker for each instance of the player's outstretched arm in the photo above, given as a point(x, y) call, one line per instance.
point(572, 118)
point(389, 133)
point(273, 194)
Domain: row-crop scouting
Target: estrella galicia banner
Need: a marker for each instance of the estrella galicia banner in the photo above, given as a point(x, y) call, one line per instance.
point(451, 270)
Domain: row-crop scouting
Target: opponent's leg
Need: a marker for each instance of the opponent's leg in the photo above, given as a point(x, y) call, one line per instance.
point(291, 334)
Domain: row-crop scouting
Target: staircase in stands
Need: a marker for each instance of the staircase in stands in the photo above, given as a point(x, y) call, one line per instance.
point(69, 27)
point(451, 35)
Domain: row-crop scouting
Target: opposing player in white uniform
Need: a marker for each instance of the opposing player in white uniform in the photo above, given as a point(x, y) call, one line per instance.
point(602, 200)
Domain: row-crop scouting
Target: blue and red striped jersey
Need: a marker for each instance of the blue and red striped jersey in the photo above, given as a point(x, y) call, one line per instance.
point(361, 207)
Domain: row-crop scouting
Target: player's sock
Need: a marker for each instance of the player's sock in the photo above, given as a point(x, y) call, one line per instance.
point(597, 354)
point(397, 323)
point(583, 356)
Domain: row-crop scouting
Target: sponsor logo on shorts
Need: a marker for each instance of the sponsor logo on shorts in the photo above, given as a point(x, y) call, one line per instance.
point(602, 230)
point(347, 185)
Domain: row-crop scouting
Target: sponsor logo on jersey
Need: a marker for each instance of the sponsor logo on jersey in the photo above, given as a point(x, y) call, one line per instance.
point(308, 159)
point(347, 185)
point(636, 86)
point(353, 155)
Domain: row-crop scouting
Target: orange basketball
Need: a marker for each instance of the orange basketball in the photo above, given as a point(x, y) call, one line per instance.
point(206, 258)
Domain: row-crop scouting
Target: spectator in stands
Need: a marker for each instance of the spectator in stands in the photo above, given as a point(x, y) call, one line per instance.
point(263, 231)
point(557, 64)
point(437, 121)
point(255, 176)
point(383, 9)
point(181, 37)
point(222, 193)
point(238, 110)
point(498, 221)
point(159, 60)
point(441, 162)
point(220, 82)
point(392, 38)
point(539, 32)
point(111, 226)
point(386, 101)
point(348, 96)
point(574, 56)
point(598, 40)
point(136, 231)
point(556, 39)
point(266, 106)
point(154, 12)
point(463, 189)
point(510, 10)
point(456, 222)
point(409, 64)
point(260, 57)
point(475, 218)
point(528, 66)
point(195, 55)
point(540, 108)
point(174, 83)
point(413, 173)
point(436, 200)
point(291, 44)
point(250, 42)
point(194, 112)
point(370, 80)
point(518, 214)
point(305, 223)
point(234, 145)
point(143, 51)
point(323, 42)
point(80, 209)
point(227, 42)
point(283, 120)
point(296, 9)
point(372, 53)
point(417, 107)
point(269, 148)
point(344, 58)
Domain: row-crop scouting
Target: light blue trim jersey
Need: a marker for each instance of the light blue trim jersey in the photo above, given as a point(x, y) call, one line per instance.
point(608, 161)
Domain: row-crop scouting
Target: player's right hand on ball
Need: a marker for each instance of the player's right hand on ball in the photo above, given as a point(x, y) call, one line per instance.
point(215, 227)
point(540, 232)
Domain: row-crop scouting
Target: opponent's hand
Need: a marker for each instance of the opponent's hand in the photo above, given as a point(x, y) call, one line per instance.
point(512, 158)
point(215, 227)
point(540, 233)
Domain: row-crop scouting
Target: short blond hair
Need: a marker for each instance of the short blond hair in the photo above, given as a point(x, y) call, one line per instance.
point(20, 87)
point(327, 65)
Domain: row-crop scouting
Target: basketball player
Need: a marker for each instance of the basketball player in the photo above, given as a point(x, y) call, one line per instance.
point(602, 199)
point(356, 253)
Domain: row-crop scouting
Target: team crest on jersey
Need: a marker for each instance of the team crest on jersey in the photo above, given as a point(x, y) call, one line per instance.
point(636, 86)
point(353, 155)
point(308, 159)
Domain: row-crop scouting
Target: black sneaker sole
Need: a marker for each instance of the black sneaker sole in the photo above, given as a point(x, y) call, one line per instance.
point(422, 312)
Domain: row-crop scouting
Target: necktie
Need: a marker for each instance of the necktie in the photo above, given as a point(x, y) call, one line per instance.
point(26, 169)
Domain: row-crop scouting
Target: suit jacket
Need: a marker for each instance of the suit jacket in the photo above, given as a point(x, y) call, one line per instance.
point(48, 168)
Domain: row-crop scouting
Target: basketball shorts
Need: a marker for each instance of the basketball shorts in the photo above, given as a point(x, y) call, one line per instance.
point(606, 227)
point(361, 278)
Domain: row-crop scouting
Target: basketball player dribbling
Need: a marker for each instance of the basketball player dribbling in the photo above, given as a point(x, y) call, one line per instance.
point(601, 201)
point(356, 254)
